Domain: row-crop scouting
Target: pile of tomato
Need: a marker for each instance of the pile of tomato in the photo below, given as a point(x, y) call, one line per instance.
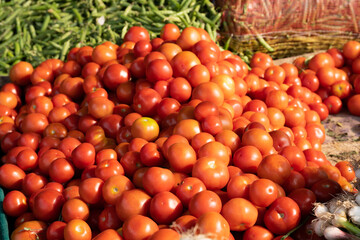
point(160, 137)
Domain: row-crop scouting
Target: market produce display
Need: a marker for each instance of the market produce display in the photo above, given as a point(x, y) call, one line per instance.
point(34, 31)
point(170, 137)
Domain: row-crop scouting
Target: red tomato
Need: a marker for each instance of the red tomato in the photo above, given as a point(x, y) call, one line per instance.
point(212, 172)
point(15, 203)
point(47, 205)
point(215, 224)
point(165, 207)
point(139, 227)
point(158, 179)
point(188, 188)
point(132, 202)
point(83, 155)
point(77, 229)
point(240, 213)
point(282, 215)
point(114, 186)
point(204, 201)
point(90, 190)
point(257, 232)
point(257, 190)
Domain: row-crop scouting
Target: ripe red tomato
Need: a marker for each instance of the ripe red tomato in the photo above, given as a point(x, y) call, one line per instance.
point(215, 224)
point(204, 201)
point(47, 204)
point(212, 172)
point(240, 213)
point(257, 232)
point(157, 179)
point(165, 207)
point(83, 155)
point(282, 215)
point(139, 227)
point(77, 229)
point(353, 105)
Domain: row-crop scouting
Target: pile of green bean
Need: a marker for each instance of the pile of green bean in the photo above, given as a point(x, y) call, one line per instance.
point(34, 31)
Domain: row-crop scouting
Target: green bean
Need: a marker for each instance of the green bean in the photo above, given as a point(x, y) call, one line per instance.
point(17, 49)
point(12, 16)
point(64, 50)
point(77, 15)
point(45, 23)
point(38, 30)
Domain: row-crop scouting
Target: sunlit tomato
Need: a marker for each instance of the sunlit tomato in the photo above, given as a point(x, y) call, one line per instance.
point(74, 209)
point(107, 168)
point(257, 232)
point(20, 73)
point(170, 32)
point(132, 202)
point(108, 234)
point(181, 157)
point(212, 172)
point(15, 203)
point(261, 60)
point(158, 70)
point(321, 60)
point(61, 170)
point(145, 128)
point(102, 54)
point(164, 234)
point(83, 155)
point(139, 227)
point(282, 215)
point(146, 101)
point(135, 34)
point(180, 89)
point(188, 38)
point(204, 201)
point(158, 179)
point(90, 190)
point(258, 138)
point(216, 150)
point(188, 188)
point(215, 224)
point(77, 229)
point(263, 192)
point(341, 89)
point(34, 122)
point(165, 207)
point(351, 49)
point(240, 213)
point(316, 156)
point(115, 75)
point(346, 169)
point(183, 62)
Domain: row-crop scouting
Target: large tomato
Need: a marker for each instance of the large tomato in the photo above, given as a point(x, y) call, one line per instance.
point(282, 215)
point(47, 205)
point(240, 213)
